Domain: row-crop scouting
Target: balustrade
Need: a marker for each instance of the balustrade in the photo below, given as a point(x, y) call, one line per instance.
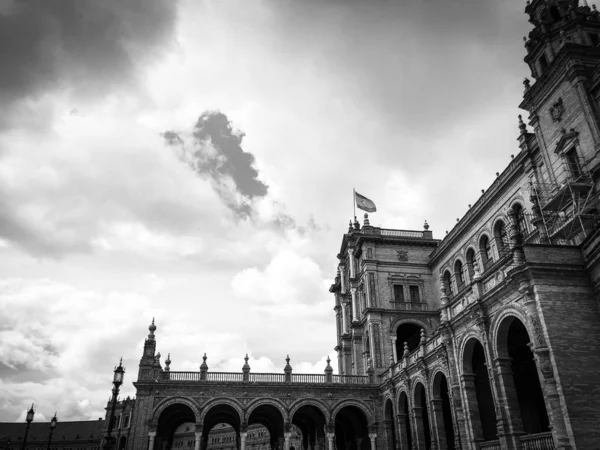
point(238, 377)
point(490, 445)
point(539, 441)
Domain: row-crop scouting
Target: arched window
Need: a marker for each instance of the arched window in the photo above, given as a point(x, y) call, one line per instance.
point(485, 251)
point(448, 284)
point(501, 236)
point(471, 262)
point(520, 219)
point(555, 14)
point(458, 274)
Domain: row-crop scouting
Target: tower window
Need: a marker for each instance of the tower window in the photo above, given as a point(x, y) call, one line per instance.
point(415, 297)
point(398, 293)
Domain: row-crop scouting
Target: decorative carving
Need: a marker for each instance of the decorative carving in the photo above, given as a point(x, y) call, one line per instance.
point(369, 253)
point(402, 255)
point(557, 110)
point(537, 329)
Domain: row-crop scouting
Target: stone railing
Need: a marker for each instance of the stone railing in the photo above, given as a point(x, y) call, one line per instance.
point(238, 377)
point(540, 441)
point(402, 233)
point(409, 306)
point(489, 445)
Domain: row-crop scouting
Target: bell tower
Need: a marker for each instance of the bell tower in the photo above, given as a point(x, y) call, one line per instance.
point(563, 104)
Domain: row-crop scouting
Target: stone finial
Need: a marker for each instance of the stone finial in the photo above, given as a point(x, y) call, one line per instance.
point(287, 364)
point(426, 226)
point(497, 174)
point(168, 362)
point(406, 351)
point(152, 329)
point(356, 224)
point(392, 360)
point(483, 191)
point(522, 125)
point(350, 228)
point(203, 366)
point(526, 84)
point(246, 367)
point(328, 367)
point(594, 7)
point(366, 222)
point(422, 336)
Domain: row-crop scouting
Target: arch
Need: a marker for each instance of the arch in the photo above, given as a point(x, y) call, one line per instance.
point(501, 236)
point(520, 219)
point(401, 321)
point(309, 402)
point(236, 405)
point(522, 385)
point(404, 421)
point(478, 390)
point(471, 261)
point(268, 401)
point(411, 334)
point(310, 418)
point(442, 414)
point(171, 416)
point(447, 279)
point(421, 416)
point(351, 425)
point(485, 250)
point(389, 425)
point(158, 409)
point(122, 443)
point(459, 274)
point(497, 320)
point(359, 404)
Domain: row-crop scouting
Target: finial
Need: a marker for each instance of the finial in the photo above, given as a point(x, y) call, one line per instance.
point(366, 221)
point(287, 360)
point(457, 220)
point(527, 84)
point(594, 7)
point(391, 360)
point(203, 366)
point(469, 206)
point(356, 224)
point(328, 360)
point(446, 231)
point(246, 358)
point(406, 352)
point(246, 366)
point(483, 191)
point(522, 125)
point(422, 336)
point(512, 156)
point(121, 361)
point(168, 362)
point(350, 228)
point(152, 329)
point(426, 226)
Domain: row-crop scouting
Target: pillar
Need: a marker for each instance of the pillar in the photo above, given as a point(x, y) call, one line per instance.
point(373, 436)
point(358, 443)
point(401, 431)
point(394, 350)
point(198, 440)
point(509, 402)
point(343, 279)
point(354, 305)
point(351, 262)
point(330, 437)
point(344, 318)
point(437, 423)
point(419, 428)
point(472, 408)
point(287, 436)
point(151, 437)
point(243, 435)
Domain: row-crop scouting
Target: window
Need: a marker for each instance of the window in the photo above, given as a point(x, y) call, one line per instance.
point(520, 218)
point(501, 236)
point(398, 293)
point(573, 163)
point(471, 262)
point(414, 294)
point(485, 251)
point(448, 284)
point(126, 421)
point(458, 274)
point(543, 63)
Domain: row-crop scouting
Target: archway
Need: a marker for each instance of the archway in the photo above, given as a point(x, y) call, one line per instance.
point(351, 429)
point(390, 428)
point(221, 421)
point(422, 429)
point(524, 384)
point(122, 443)
point(404, 423)
point(311, 421)
point(409, 333)
point(169, 421)
point(184, 436)
point(271, 418)
point(479, 392)
point(442, 412)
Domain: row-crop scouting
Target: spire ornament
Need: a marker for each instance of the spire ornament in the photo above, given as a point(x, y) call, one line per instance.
point(522, 125)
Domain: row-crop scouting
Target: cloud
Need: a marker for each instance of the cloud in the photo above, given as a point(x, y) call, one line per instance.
point(87, 47)
point(216, 151)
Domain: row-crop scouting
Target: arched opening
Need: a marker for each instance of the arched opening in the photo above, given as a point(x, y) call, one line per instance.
point(170, 421)
point(390, 429)
point(471, 263)
point(479, 392)
point(555, 14)
point(404, 424)
point(224, 420)
point(257, 438)
point(501, 237)
point(485, 251)
point(448, 284)
point(443, 412)
point(513, 341)
point(521, 222)
point(351, 429)
point(409, 333)
point(271, 418)
point(223, 436)
point(310, 421)
point(459, 274)
point(184, 436)
point(122, 443)
point(422, 428)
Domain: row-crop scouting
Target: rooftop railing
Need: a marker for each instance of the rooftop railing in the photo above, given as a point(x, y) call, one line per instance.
point(238, 377)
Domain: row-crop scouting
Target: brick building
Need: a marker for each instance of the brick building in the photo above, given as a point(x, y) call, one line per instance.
point(487, 339)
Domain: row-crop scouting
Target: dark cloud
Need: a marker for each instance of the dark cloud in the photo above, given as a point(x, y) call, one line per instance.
point(217, 152)
point(89, 47)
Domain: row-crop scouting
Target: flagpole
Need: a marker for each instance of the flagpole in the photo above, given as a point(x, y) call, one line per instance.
point(354, 201)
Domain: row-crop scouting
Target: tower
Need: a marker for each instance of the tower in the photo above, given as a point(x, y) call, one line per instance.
point(384, 296)
point(149, 367)
point(563, 55)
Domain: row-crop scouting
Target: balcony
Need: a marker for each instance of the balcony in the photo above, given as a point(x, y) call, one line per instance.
point(238, 377)
point(409, 306)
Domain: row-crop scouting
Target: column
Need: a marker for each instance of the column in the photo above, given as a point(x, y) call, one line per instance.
point(468, 383)
point(287, 436)
point(418, 427)
point(437, 415)
point(151, 437)
point(351, 262)
point(509, 401)
point(373, 436)
point(343, 279)
point(394, 350)
point(402, 437)
point(243, 435)
point(358, 442)
point(388, 425)
point(344, 318)
point(354, 305)
point(330, 437)
point(198, 440)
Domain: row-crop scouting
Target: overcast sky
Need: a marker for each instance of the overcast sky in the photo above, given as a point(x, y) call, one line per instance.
point(194, 161)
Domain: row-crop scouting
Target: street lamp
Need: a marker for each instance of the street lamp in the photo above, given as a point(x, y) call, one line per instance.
point(117, 382)
point(52, 427)
point(29, 419)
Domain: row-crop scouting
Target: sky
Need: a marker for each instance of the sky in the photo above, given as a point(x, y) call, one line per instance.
point(194, 160)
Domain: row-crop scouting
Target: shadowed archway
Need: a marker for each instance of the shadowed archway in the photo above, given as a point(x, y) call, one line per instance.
point(442, 412)
point(169, 421)
point(216, 416)
point(311, 421)
point(351, 429)
point(270, 417)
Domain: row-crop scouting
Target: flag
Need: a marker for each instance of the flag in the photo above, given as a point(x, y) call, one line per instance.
point(364, 203)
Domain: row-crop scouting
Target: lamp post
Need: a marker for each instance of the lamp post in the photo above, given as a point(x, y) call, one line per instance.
point(29, 419)
point(52, 427)
point(117, 382)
